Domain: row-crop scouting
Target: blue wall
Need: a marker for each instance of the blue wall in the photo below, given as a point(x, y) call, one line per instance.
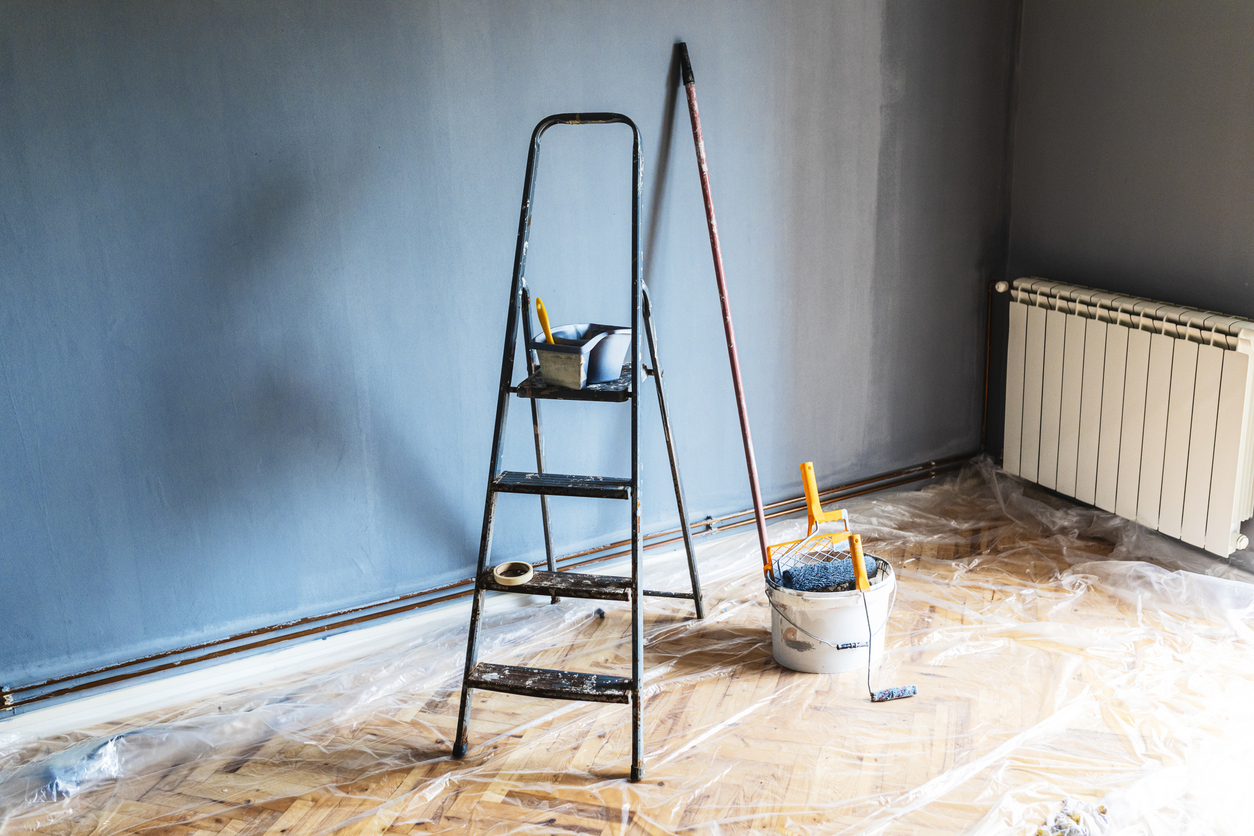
point(254, 261)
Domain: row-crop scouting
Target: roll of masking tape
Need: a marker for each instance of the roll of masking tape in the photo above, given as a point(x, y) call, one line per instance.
point(513, 573)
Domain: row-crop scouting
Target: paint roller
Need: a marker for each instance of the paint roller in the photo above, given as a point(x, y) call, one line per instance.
point(864, 584)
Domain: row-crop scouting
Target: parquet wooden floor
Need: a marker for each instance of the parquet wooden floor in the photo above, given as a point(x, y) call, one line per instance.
point(1045, 670)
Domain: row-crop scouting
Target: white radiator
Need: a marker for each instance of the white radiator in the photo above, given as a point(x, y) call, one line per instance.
point(1141, 408)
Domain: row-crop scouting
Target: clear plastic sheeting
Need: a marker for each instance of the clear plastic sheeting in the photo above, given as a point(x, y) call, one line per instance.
point(1066, 661)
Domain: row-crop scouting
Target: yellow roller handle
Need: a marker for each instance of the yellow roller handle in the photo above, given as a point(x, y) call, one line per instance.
point(813, 505)
point(859, 562)
point(544, 321)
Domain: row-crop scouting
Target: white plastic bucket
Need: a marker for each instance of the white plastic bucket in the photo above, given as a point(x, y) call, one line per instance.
point(816, 632)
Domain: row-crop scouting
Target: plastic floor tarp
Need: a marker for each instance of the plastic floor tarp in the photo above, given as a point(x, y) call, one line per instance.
point(1066, 659)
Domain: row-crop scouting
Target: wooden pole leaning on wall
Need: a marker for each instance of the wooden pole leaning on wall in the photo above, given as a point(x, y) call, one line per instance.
point(690, 88)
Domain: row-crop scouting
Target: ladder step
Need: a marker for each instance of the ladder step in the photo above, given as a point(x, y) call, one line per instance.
point(557, 685)
point(613, 391)
point(560, 484)
point(567, 585)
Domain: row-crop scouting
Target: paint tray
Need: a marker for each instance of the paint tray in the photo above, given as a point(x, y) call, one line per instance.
point(582, 354)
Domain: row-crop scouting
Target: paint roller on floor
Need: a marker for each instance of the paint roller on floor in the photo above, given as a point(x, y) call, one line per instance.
point(809, 586)
point(897, 692)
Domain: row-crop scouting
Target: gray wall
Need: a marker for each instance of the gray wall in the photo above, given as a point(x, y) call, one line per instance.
point(1134, 159)
point(1133, 162)
point(254, 261)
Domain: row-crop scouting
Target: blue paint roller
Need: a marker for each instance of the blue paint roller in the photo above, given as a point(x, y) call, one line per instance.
point(901, 691)
point(832, 576)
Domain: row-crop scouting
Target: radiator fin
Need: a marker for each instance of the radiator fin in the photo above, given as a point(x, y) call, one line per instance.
point(1051, 397)
point(1112, 416)
point(1069, 419)
point(1154, 437)
point(1136, 377)
point(1091, 410)
point(1033, 372)
point(1015, 349)
point(1179, 425)
point(1210, 363)
point(1233, 392)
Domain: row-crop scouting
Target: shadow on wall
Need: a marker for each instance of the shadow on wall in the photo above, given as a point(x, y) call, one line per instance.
point(657, 205)
point(259, 388)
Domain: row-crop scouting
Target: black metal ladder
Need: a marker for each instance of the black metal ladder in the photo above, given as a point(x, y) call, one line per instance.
point(539, 682)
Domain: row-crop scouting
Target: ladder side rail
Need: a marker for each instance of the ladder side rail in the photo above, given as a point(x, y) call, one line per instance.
point(637, 545)
point(498, 436)
point(528, 336)
point(680, 500)
point(511, 323)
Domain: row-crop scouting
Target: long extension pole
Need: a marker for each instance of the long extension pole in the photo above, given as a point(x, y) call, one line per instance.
point(690, 87)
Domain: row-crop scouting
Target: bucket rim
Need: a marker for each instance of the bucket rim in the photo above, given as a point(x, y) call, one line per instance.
point(882, 579)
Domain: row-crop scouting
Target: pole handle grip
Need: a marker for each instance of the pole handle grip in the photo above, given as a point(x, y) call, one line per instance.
point(685, 66)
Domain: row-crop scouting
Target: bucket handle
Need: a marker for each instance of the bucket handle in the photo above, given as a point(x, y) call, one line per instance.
point(843, 645)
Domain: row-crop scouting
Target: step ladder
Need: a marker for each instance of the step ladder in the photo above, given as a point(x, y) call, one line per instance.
point(573, 685)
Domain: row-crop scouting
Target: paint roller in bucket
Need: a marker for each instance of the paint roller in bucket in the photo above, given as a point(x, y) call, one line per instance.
point(822, 574)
